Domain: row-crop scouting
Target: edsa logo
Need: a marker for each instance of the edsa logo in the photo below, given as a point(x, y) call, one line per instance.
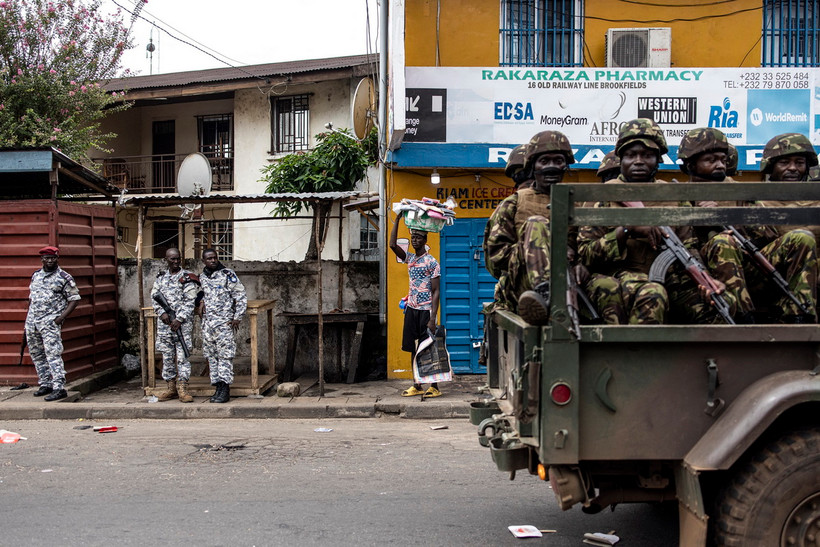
point(722, 115)
point(513, 111)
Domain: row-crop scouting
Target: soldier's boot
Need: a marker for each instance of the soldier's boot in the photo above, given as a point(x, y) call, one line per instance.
point(224, 395)
point(170, 393)
point(217, 391)
point(182, 391)
point(534, 305)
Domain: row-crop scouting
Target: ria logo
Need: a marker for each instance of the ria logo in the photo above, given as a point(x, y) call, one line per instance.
point(723, 116)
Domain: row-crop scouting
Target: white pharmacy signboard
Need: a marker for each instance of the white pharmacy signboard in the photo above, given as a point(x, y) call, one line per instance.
point(473, 117)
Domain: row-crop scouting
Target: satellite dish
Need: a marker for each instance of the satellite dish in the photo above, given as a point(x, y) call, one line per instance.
point(194, 177)
point(363, 109)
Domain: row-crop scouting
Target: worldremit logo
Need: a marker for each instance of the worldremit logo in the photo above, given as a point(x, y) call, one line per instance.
point(776, 111)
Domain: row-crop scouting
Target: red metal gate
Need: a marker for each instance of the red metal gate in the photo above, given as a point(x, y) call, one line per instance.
point(86, 236)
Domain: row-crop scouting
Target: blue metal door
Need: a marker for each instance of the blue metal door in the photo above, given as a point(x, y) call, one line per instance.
point(465, 286)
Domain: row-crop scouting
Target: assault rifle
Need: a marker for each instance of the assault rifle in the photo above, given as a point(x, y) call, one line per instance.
point(766, 267)
point(23, 345)
point(160, 299)
point(676, 251)
point(574, 293)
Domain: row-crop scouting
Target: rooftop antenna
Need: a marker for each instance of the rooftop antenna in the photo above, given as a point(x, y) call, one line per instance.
point(149, 50)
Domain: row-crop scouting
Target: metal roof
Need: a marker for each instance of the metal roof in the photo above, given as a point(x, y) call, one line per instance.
point(25, 173)
point(250, 72)
point(162, 200)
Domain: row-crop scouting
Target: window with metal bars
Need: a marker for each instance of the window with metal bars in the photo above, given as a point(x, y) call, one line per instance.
point(542, 33)
point(291, 123)
point(215, 134)
point(791, 33)
point(218, 234)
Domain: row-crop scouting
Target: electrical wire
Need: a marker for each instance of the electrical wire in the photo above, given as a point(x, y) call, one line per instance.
point(676, 20)
point(191, 44)
point(698, 5)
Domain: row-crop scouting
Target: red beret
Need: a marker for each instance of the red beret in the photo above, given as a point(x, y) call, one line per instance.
point(50, 251)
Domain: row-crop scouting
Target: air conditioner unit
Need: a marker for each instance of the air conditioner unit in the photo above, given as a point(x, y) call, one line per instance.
point(638, 47)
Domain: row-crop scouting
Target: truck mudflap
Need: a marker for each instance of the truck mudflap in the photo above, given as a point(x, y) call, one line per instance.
point(749, 415)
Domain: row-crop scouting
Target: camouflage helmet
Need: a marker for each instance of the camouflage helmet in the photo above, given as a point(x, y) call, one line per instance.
point(515, 160)
point(548, 141)
point(700, 140)
point(609, 163)
point(642, 130)
point(731, 161)
point(787, 144)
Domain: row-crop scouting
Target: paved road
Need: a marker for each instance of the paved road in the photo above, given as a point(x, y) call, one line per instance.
point(280, 482)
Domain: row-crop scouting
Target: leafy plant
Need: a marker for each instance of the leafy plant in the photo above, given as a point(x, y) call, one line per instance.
point(54, 58)
point(337, 163)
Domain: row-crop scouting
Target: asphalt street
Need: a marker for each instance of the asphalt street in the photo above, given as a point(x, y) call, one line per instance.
point(283, 482)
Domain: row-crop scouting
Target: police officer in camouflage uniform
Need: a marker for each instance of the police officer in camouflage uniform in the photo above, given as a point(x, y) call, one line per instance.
point(731, 161)
point(515, 168)
point(517, 235)
point(619, 257)
point(224, 305)
point(704, 156)
point(53, 295)
point(179, 287)
point(610, 167)
point(788, 158)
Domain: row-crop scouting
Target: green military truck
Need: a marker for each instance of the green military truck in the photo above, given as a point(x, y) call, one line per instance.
point(725, 419)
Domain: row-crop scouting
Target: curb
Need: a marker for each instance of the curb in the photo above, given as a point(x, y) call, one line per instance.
point(151, 411)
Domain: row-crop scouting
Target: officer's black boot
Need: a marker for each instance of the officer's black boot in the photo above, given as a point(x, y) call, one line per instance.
point(224, 395)
point(534, 305)
point(217, 392)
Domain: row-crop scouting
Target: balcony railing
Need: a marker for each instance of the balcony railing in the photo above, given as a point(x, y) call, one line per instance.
point(157, 174)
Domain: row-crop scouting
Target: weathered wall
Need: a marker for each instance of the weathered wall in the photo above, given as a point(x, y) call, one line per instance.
point(293, 286)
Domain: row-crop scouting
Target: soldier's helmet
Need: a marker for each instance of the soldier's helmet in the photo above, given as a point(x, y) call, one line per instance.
point(515, 160)
point(611, 162)
point(731, 161)
point(642, 130)
point(787, 144)
point(700, 140)
point(548, 141)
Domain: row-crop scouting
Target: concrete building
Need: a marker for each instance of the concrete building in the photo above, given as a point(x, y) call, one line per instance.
point(472, 79)
point(241, 119)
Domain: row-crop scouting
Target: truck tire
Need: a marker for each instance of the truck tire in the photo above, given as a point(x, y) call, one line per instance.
point(774, 496)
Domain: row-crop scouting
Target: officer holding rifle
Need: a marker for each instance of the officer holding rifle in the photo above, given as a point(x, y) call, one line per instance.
point(173, 296)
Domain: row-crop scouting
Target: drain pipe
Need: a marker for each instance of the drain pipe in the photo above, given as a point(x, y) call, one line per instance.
point(383, 139)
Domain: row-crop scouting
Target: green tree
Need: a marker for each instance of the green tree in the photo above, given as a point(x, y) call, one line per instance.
point(337, 163)
point(54, 57)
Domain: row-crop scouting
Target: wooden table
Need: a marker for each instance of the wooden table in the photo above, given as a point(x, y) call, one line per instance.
point(243, 385)
point(296, 320)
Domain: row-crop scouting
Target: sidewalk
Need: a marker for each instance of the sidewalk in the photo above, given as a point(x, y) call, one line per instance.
point(125, 400)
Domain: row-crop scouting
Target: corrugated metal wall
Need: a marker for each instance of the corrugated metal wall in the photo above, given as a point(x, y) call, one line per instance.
point(86, 236)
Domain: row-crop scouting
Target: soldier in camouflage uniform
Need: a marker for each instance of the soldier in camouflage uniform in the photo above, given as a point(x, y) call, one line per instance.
point(704, 155)
point(515, 168)
point(516, 237)
point(179, 288)
point(620, 257)
point(731, 161)
point(610, 167)
point(788, 158)
point(224, 303)
point(53, 295)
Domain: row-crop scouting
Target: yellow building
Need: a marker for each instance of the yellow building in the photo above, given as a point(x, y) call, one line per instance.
point(471, 79)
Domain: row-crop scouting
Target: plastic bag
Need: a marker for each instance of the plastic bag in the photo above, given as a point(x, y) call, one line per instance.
point(432, 361)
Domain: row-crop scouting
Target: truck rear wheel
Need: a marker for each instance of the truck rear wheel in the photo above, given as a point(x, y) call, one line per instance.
point(774, 496)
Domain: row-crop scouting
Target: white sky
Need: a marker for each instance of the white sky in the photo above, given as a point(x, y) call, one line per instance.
point(247, 32)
